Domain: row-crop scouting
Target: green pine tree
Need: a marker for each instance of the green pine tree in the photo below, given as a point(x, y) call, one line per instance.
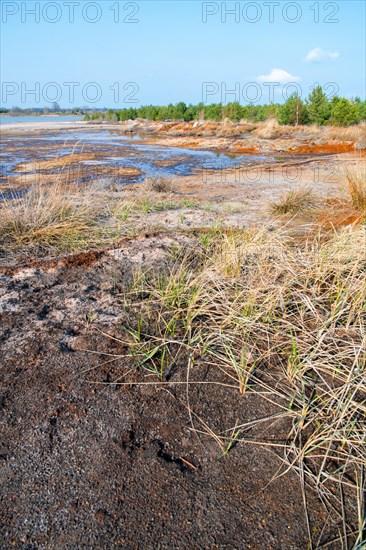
point(318, 107)
point(293, 111)
point(344, 113)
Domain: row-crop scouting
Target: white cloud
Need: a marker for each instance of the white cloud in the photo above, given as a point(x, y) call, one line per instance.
point(278, 75)
point(317, 54)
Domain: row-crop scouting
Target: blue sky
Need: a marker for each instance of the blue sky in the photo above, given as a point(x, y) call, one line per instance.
point(170, 54)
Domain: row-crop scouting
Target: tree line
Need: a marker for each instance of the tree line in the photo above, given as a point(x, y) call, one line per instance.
point(316, 109)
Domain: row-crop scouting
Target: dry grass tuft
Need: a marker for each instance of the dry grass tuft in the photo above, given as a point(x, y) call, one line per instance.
point(158, 185)
point(268, 129)
point(280, 321)
point(356, 187)
point(350, 206)
point(292, 202)
point(44, 216)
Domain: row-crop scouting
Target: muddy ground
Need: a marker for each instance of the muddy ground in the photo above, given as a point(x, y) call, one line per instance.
point(95, 454)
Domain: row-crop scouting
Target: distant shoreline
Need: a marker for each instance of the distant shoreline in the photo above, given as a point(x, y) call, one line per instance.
point(39, 125)
point(13, 120)
point(36, 114)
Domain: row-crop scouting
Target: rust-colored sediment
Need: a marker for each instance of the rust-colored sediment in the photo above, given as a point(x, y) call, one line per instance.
point(325, 149)
point(239, 149)
point(56, 162)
